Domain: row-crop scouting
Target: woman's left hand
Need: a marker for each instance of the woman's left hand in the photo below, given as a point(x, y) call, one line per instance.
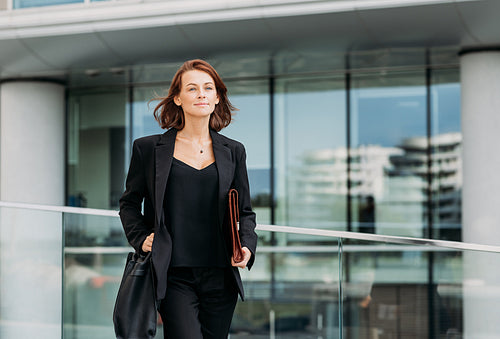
point(246, 257)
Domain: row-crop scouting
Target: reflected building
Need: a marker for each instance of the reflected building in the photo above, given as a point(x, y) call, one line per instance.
point(390, 186)
point(320, 183)
point(445, 174)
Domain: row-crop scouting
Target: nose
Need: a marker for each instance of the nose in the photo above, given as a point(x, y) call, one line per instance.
point(202, 93)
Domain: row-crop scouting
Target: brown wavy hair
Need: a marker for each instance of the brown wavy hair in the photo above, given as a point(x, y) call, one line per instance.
point(169, 115)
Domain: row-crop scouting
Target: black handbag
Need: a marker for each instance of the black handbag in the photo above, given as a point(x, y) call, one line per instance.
point(135, 313)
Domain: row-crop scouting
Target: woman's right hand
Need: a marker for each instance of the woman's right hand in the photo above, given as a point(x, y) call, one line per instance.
point(148, 243)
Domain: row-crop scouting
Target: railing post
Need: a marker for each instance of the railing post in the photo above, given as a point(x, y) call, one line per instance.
point(272, 327)
point(341, 292)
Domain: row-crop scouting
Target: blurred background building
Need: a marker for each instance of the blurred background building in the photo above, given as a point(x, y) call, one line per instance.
point(367, 116)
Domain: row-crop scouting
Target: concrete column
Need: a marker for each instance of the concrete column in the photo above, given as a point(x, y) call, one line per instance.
point(480, 79)
point(32, 142)
point(32, 147)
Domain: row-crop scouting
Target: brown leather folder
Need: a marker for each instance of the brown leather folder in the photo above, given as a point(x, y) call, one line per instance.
point(231, 226)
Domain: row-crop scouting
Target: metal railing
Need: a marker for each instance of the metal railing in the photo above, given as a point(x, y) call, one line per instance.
point(287, 229)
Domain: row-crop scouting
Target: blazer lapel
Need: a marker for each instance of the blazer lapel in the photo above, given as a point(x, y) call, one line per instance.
point(164, 152)
point(225, 169)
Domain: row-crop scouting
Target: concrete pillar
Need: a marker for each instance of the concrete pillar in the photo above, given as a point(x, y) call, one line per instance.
point(32, 168)
point(480, 80)
point(32, 142)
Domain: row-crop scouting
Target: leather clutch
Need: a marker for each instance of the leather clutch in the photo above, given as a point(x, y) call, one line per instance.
point(231, 226)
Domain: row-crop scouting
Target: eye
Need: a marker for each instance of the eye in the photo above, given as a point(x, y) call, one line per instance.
point(191, 89)
point(209, 88)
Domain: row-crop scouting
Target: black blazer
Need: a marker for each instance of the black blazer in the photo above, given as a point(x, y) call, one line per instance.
point(146, 183)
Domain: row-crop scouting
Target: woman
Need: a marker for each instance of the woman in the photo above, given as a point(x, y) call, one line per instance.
point(183, 177)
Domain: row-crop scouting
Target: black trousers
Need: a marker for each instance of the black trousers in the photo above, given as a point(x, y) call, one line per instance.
point(199, 303)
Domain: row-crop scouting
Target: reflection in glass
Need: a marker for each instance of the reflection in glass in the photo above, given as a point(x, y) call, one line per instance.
point(446, 155)
point(386, 58)
point(398, 159)
point(94, 258)
point(39, 3)
point(300, 301)
point(143, 121)
point(388, 153)
point(251, 126)
point(310, 152)
point(96, 148)
point(387, 290)
point(481, 287)
point(30, 273)
point(307, 61)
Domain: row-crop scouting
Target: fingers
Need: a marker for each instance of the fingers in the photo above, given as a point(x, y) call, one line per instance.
point(147, 245)
point(244, 262)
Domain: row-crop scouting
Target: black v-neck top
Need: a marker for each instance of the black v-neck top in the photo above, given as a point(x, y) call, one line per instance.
point(191, 216)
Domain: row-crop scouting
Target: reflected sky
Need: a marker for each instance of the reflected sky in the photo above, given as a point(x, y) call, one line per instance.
point(313, 120)
point(250, 126)
point(388, 115)
point(446, 108)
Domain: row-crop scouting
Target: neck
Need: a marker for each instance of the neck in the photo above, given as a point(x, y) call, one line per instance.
point(195, 130)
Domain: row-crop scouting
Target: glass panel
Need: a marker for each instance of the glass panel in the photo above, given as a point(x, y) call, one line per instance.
point(446, 154)
point(94, 259)
point(310, 61)
point(143, 121)
point(100, 77)
point(448, 275)
point(388, 153)
point(481, 286)
point(244, 65)
point(30, 273)
point(251, 126)
point(38, 3)
point(291, 292)
point(96, 147)
point(397, 291)
point(310, 132)
point(445, 55)
point(154, 73)
point(384, 58)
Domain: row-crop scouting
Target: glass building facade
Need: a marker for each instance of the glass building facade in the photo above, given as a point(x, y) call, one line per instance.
point(367, 142)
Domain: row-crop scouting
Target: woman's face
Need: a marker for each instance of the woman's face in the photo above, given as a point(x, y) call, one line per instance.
point(198, 94)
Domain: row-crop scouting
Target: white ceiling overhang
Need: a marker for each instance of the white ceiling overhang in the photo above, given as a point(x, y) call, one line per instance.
point(111, 34)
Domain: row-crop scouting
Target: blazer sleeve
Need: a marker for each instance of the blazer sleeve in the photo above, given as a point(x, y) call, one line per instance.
point(133, 221)
point(248, 237)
